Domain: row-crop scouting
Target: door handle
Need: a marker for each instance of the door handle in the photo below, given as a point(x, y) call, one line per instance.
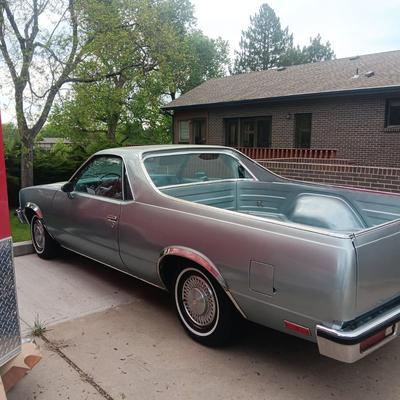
point(112, 218)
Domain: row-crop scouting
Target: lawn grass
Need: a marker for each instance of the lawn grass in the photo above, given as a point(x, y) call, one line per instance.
point(20, 232)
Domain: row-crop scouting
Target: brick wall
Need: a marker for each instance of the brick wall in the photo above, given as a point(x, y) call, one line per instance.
point(373, 178)
point(353, 125)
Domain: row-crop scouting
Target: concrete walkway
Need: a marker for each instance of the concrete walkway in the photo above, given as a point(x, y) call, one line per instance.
point(120, 339)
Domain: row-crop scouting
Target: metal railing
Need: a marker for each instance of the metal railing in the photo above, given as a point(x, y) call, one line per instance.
point(266, 153)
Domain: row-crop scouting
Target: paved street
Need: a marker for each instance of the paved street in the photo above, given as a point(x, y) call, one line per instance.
point(113, 337)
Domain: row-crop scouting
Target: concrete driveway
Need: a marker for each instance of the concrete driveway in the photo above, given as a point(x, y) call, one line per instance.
point(113, 337)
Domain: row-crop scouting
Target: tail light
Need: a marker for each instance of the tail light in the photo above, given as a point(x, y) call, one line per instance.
point(376, 339)
point(302, 330)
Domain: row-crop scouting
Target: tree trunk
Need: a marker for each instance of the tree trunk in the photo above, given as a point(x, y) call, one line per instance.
point(26, 160)
point(112, 124)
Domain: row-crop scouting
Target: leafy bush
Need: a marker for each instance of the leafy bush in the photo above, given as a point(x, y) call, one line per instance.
point(55, 165)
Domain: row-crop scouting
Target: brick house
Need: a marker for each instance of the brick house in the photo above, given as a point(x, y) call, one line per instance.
point(350, 104)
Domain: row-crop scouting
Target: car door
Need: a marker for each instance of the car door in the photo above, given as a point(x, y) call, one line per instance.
point(87, 219)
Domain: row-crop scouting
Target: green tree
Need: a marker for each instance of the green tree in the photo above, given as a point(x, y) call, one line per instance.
point(314, 52)
point(43, 42)
point(196, 59)
point(264, 44)
point(10, 137)
point(29, 51)
point(318, 51)
point(171, 56)
point(97, 109)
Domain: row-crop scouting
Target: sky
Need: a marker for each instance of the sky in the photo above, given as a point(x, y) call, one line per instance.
point(354, 27)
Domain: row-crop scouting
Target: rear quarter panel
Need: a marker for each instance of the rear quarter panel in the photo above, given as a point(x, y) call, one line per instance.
point(314, 274)
point(378, 265)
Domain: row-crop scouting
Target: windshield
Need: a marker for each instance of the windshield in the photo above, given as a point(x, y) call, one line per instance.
point(178, 169)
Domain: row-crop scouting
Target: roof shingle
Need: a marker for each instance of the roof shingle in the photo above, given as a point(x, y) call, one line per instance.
point(306, 79)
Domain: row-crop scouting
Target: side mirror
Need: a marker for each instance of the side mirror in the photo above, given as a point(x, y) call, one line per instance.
point(68, 187)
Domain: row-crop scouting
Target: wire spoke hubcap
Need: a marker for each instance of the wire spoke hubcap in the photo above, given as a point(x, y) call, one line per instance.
point(198, 300)
point(38, 234)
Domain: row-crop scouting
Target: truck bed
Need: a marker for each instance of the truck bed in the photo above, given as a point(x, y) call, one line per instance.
point(336, 209)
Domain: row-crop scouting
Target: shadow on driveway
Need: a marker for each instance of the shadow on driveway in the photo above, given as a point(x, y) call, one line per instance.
point(125, 334)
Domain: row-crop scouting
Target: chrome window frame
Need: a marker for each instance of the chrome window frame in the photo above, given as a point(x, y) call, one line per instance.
point(108, 199)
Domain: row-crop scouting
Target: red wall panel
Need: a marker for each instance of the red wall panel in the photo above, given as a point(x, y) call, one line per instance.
point(4, 217)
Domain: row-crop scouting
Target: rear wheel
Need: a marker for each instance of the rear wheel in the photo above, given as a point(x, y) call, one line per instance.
point(45, 246)
point(203, 308)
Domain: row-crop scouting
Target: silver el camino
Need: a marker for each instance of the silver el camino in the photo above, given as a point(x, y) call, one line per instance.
point(228, 238)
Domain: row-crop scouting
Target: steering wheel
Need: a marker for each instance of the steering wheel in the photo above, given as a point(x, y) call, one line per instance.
point(109, 174)
point(101, 190)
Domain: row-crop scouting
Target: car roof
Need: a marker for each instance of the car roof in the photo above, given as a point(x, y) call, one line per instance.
point(140, 150)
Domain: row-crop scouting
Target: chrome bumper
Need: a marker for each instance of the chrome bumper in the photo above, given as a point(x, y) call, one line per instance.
point(21, 215)
point(344, 345)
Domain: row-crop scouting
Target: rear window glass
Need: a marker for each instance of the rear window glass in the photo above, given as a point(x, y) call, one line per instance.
point(178, 169)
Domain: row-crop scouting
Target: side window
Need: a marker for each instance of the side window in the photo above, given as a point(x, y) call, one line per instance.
point(101, 177)
point(191, 168)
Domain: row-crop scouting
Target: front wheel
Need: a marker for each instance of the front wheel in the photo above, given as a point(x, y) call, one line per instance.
point(203, 308)
point(45, 246)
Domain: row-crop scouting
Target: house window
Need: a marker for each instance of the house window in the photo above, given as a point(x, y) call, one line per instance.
point(303, 124)
point(393, 113)
point(248, 132)
point(199, 131)
point(231, 132)
point(184, 133)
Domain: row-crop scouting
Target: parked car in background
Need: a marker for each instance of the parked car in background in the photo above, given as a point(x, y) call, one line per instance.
point(229, 238)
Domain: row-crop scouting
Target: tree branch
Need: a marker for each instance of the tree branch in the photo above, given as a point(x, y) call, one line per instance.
point(110, 75)
point(63, 78)
point(48, 49)
point(7, 58)
point(57, 25)
point(11, 19)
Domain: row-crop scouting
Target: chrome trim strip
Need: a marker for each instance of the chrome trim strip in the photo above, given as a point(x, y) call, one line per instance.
point(390, 317)
point(34, 207)
point(229, 294)
point(201, 260)
point(194, 256)
point(21, 215)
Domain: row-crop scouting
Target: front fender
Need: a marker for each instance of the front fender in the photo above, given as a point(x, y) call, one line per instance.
point(33, 208)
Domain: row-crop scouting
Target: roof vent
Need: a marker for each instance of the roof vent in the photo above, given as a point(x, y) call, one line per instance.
point(369, 74)
point(354, 58)
point(356, 75)
point(281, 68)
